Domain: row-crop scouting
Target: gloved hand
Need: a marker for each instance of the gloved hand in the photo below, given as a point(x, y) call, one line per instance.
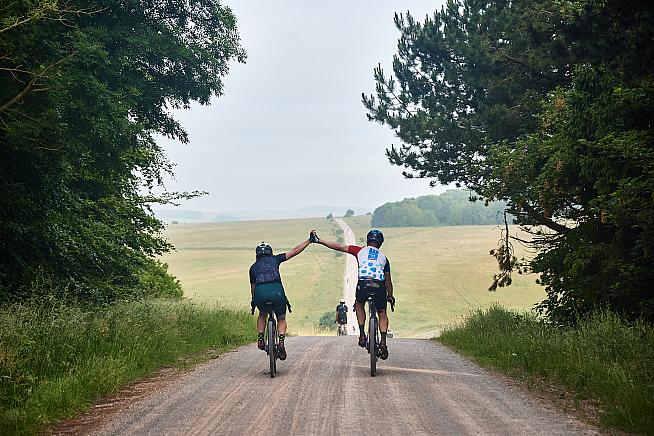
point(252, 306)
point(390, 299)
point(313, 237)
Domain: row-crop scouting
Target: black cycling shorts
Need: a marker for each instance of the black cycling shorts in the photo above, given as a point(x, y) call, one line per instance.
point(375, 287)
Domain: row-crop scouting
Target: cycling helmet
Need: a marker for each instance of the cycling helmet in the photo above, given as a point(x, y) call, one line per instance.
point(375, 236)
point(263, 249)
point(342, 301)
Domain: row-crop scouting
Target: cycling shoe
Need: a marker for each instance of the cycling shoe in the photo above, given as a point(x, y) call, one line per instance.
point(261, 345)
point(281, 351)
point(383, 351)
point(363, 341)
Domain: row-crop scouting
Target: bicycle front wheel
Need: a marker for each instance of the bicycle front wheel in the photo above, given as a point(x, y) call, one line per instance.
point(372, 345)
point(272, 351)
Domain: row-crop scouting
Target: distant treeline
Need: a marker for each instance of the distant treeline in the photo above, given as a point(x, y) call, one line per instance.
point(452, 208)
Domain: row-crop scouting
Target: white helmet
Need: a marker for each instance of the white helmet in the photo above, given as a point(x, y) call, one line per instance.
point(342, 301)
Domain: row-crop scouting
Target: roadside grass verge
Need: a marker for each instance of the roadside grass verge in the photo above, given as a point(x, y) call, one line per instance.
point(55, 361)
point(603, 358)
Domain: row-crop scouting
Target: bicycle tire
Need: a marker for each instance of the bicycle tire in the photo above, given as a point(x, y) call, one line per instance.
point(276, 341)
point(372, 345)
point(272, 352)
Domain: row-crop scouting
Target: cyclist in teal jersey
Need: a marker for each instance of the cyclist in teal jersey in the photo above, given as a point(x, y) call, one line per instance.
point(266, 286)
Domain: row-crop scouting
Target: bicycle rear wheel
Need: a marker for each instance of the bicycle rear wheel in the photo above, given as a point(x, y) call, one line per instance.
point(272, 351)
point(372, 344)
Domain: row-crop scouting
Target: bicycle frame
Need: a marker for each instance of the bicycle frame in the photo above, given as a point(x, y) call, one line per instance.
point(341, 330)
point(373, 335)
point(271, 335)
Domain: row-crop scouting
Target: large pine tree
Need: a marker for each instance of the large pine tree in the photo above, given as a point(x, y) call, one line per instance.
point(546, 105)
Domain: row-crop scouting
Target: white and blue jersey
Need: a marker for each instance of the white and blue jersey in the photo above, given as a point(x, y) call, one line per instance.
point(373, 264)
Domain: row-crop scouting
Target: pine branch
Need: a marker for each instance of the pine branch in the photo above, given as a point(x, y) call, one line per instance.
point(524, 64)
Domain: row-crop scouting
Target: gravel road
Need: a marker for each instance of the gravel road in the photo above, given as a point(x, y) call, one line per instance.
point(325, 388)
point(349, 278)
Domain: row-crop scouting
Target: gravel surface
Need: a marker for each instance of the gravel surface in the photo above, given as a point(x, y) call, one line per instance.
point(350, 277)
point(324, 387)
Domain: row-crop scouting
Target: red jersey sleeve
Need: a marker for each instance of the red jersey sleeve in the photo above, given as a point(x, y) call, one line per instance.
point(353, 249)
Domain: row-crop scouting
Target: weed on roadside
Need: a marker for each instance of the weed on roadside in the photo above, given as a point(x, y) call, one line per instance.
point(603, 358)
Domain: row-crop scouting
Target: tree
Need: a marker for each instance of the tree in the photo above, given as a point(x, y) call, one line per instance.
point(84, 91)
point(543, 105)
point(348, 213)
point(451, 208)
point(329, 216)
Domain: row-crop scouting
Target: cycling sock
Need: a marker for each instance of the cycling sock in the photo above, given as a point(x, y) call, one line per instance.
point(383, 337)
point(281, 338)
point(261, 336)
point(362, 330)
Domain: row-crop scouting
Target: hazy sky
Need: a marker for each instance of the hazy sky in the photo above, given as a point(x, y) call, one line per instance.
point(290, 130)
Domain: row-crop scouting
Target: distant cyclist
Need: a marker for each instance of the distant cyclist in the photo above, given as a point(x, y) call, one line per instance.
point(341, 317)
point(266, 286)
point(374, 277)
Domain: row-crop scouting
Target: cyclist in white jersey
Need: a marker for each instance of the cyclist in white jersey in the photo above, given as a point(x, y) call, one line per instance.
point(374, 277)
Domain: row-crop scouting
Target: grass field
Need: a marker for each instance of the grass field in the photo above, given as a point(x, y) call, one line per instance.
point(212, 262)
point(440, 274)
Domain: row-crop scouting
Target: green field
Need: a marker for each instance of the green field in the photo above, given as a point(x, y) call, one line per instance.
point(212, 262)
point(440, 273)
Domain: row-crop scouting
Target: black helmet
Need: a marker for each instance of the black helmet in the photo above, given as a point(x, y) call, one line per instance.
point(263, 249)
point(375, 236)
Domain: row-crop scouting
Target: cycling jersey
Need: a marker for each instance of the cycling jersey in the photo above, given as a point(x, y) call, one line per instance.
point(372, 262)
point(266, 269)
point(341, 310)
point(264, 274)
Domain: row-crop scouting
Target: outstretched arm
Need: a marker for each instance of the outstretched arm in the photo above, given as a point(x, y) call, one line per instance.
point(333, 245)
point(329, 244)
point(297, 250)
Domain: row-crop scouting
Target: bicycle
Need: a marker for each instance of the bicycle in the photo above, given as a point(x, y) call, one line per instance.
point(271, 338)
point(373, 332)
point(342, 330)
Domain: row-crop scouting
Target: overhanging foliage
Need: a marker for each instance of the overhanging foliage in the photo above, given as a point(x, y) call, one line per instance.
point(84, 88)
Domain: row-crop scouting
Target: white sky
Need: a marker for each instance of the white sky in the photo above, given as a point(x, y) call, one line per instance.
point(291, 130)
